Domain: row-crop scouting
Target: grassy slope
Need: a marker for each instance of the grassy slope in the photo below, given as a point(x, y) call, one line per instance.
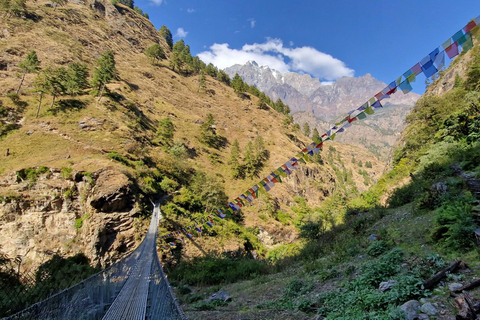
point(342, 261)
point(141, 96)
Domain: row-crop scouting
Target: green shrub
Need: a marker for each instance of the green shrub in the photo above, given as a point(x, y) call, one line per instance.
point(377, 248)
point(210, 305)
point(454, 226)
point(211, 271)
point(66, 172)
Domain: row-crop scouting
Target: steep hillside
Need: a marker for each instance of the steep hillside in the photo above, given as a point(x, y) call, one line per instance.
point(78, 172)
point(408, 247)
point(320, 105)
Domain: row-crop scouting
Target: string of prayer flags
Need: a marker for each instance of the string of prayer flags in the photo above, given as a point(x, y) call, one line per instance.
point(461, 41)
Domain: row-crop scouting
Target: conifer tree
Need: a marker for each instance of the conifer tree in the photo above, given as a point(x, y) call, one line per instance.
point(55, 82)
point(202, 85)
point(155, 52)
point(306, 129)
point(165, 131)
point(237, 83)
point(222, 76)
point(315, 135)
point(234, 161)
point(76, 78)
point(249, 159)
point(165, 32)
point(176, 61)
point(29, 65)
point(211, 70)
point(280, 106)
point(259, 151)
point(105, 72)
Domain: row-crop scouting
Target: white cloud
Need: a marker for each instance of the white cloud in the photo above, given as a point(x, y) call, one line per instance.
point(157, 2)
point(180, 33)
point(188, 10)
point(273, 54)
point(252, 22)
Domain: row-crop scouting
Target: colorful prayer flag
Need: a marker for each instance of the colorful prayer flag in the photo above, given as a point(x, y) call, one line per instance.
point(429, 69)
point(452, 50)
point(457, 35)
point(406, 86)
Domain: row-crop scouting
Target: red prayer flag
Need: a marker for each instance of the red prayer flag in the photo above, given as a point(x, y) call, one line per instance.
point(469, 26)
point(452, 50)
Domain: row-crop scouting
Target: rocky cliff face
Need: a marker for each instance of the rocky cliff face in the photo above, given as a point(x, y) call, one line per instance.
point(52, 214)
point(321, 104)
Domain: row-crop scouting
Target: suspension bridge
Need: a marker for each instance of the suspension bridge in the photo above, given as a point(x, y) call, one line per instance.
point(135, 288)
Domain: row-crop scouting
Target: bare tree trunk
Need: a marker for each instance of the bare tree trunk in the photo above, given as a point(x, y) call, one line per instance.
point(21, 82)
point(53, 101)
point(39, 104)
point(101, 93)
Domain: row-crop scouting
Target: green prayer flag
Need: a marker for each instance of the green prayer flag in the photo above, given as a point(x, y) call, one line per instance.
point(399, 79)
point(361, 115)
point(467, 45)
point(372, 100)
point(411, 78)
point(369, 110)
point(300, 159)
point(333, 136)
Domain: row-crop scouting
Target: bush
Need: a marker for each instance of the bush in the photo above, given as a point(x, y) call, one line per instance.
point(66, 172)
point(212, 271)
point(377, 248)
point(454, 226)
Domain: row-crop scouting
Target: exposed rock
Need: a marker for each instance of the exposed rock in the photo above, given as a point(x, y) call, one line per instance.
point(440, 187)
point(112, 192)
point(422, 316)
point(454, 286)
point(386, 285)
point(411, 309)
point(219, 295)
point(91, 124)
point(429, 309)
point(373, 237)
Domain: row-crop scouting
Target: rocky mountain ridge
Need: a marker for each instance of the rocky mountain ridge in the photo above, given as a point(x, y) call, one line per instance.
point(320, 105)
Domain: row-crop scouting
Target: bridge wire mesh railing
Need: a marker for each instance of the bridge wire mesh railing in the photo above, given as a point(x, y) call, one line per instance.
point(92, 298)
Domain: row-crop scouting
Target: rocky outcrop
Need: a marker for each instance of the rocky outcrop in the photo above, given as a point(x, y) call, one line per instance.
point(93, 214)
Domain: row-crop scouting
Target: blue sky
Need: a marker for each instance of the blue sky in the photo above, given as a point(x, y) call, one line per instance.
point(327, 39)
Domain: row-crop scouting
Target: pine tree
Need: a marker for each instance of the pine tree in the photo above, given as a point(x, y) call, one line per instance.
point(29, 65)
point(306, 129)
point(234, 161)
point(315, 135)
point(208, 134)
point(259, 151)
point(155, 52)
point(202, 85)
point(237, 83)
point(165, 131)
point(55, 82)
point(105, 72)
point(76, 78)
point(249, 159)
point(165, 33)
point(280, 106)
point(211, 70)
point(222, 76)
point(176, 60)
